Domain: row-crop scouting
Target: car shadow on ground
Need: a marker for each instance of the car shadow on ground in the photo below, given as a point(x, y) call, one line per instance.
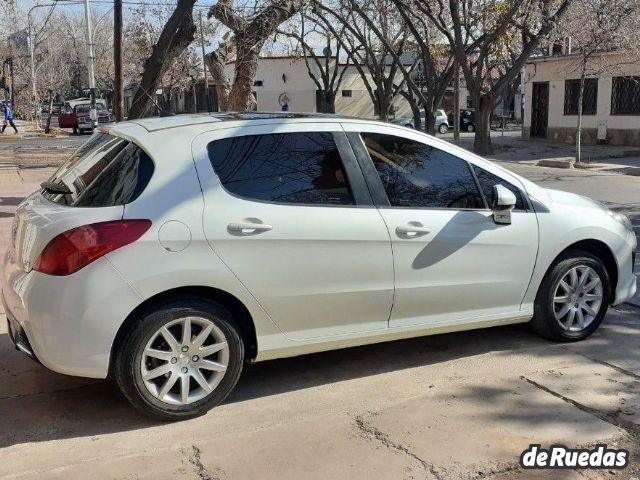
point(38, 405)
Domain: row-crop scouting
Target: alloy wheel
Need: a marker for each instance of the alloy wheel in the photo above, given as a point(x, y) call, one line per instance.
point(578, 298)
point(184, 360)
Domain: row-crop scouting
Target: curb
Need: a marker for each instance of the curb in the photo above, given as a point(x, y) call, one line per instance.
point(561, 162)
point(11, 137)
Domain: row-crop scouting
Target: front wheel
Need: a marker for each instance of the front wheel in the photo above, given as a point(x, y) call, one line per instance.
point(573, 298)
point(181, 360)
point(470, 128)
point(443, 128)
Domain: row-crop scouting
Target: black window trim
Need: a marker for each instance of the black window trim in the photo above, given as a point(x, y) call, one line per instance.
point(617, 113)
point(380, 196)
point(357, 183)
point(584, 113)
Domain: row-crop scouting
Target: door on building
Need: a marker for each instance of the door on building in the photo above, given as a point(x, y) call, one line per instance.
point(540, 109)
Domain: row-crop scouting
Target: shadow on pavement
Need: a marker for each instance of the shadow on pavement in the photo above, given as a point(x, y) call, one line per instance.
point(38, 405)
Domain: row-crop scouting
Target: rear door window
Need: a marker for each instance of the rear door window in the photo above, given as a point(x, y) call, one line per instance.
point(300, 168)
point(104, 172)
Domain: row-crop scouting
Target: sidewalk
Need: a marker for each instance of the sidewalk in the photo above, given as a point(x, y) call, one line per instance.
point(27, 129)
point(513, 148)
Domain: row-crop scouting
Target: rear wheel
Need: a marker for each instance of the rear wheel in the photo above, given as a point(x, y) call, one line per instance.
point(181, 360)
point(443, 128)
point(470, 128)
point(573, 298)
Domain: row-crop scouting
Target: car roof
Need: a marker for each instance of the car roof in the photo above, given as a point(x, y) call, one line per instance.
point(153, 124)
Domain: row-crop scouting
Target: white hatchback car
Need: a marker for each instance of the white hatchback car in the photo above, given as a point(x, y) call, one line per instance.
point(169, 251)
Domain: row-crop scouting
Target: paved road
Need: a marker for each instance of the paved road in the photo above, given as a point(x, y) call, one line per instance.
point(444, 407)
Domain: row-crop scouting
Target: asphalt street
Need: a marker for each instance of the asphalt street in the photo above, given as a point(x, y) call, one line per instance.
point(452, 406)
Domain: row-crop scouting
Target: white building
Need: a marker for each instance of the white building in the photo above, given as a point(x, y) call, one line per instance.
point(285, 79)
point(611, 105)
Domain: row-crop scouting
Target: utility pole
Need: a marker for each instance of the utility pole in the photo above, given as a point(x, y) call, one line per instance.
point(456, 102)
point(204, 66)
point(93, 114)
point(117, 60)
point(12, 86)
point(32, 46)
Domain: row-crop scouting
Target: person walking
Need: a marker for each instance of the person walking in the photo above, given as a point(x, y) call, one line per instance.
point(8, 117)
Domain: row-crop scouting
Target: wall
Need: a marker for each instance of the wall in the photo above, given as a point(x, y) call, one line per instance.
point(301, 89)
point(621, 129)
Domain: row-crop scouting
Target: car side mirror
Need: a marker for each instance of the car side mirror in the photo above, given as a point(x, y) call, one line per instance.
point(504, 202)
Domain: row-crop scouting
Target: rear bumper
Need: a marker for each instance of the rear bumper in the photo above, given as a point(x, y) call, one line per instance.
point(67, 323)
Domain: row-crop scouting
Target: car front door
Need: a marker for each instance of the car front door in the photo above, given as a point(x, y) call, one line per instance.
point(453, 263)
point(288, 210)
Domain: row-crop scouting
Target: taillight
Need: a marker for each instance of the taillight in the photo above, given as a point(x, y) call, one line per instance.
point(76, 248)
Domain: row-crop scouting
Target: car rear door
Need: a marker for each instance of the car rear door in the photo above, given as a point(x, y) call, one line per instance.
point(452, 262)
point(287, 209)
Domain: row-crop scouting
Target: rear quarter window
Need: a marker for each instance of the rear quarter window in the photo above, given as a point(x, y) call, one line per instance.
point(104, 172)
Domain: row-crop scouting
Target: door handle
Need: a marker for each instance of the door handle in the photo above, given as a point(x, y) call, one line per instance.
point(412, 230)
point(248, 227)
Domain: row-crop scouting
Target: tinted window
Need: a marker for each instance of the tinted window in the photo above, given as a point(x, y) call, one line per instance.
point(104, 172)
point(488, 180)
point(303, 168)
point(418, 175)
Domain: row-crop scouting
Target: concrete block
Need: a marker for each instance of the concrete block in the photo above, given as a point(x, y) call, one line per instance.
point(560, 162)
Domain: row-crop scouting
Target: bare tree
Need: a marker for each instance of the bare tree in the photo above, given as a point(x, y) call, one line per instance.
point(482, 35)
point(597, 27)
point(249, 36)
point(374, 41)
point(326, 71)
point(177, 34)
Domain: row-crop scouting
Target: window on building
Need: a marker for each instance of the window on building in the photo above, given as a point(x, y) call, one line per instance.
point(346, 93)
point(417, 175)
point(302, 168)
point(589, 97)
point(625, 96)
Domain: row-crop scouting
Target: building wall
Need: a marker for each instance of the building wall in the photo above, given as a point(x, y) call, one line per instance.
point(301, 89)
point(621, 129)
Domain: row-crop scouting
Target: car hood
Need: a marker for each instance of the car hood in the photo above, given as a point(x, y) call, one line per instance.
point(573, 199)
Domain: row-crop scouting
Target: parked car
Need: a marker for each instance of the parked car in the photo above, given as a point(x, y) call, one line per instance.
point(442, 123)
point(75, 114)
point(467, 120)
point(170, 251)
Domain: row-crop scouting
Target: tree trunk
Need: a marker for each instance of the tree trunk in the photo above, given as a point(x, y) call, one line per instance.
point(482, 139)
point(245, 73)
point(249, 37)
point(579, 126)
point(47, 129)
point(215, 62)
point(329, 102)
point(176, 35)
point(430, 121)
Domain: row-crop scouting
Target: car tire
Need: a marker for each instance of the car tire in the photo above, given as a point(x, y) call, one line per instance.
point(442, 128)
point(75, 130)
point(470, 128)
point(133, 365)
point(553, 298)
point(408, 125)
